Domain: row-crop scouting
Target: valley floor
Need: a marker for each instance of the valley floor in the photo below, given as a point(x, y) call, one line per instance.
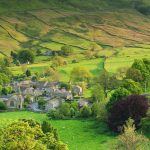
point(78, 134)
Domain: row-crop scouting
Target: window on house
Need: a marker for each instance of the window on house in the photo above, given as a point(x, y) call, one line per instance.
point(12, 104)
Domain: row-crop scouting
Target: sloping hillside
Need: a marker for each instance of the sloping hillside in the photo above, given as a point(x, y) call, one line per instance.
point(50, 24)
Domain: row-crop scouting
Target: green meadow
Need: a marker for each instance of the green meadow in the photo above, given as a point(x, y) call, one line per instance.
point(78, 134)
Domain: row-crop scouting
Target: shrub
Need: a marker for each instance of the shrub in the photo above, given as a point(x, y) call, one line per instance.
point(7, 90)
point(85, 112)
point(47, 127)
point(95, 109)
point(58, 61)
point(75, 61)
point(53, 114)
point(79, 74)
point(98, 94)
point(28, 73)
point(145, 123)
point(130, 139)
point(2, 106)
point(25, 56)
point(99, 111)
point(41, 103)
point(66, 86)
point(116, 96)
point(64, 109)
point(132, 86)
point(134, 106)
point(29, 135)
point(74, 105)
point(66, 50)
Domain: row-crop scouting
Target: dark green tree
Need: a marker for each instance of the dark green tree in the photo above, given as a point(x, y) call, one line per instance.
point(28, 73)
point(25, 56)
point(116, 96)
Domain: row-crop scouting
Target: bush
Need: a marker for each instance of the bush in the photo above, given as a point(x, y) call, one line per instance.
point(75, 61)
point(74, 105)
point(134, 106)
point(47, 127)
point(116, 96)
point(66, 50)
point(145, 123)
point(80, 74)
point(28, 73)
point(54, 114)
point(58, 61)
point(2, 106)
point(66, 86)
point(25, 56)
point(41, 104)
point(85, 112)
point(95, 109)
point(99, 112)
point(64, 109)
point(132, 86)
point(29, 135)
point(7, 90)
point(130, 139)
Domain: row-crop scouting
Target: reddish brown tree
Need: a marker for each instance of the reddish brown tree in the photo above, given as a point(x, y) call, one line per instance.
point(134, 106)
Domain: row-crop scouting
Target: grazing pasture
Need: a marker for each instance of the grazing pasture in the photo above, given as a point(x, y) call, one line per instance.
point(78, 134)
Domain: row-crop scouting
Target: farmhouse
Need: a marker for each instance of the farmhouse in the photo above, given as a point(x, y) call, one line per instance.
point(51, 92)
point(13, 101)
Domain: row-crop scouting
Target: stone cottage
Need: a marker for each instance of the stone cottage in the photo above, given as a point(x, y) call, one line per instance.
point(13, 101)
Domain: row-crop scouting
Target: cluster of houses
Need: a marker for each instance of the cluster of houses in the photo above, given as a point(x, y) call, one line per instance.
point(50, 92)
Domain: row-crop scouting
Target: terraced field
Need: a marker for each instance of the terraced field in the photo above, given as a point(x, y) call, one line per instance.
point(116, 29)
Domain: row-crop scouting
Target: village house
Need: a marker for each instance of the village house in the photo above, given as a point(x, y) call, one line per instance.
point(13, 101)
point(50, 92)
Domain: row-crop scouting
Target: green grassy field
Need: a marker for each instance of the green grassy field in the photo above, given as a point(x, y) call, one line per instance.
point(48, 25)
point(126, 56)
point(94, 66)
point(78, 134)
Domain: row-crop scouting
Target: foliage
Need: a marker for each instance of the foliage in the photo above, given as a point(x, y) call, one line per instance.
point(25, 56)
point(58, 61)
point(79, 74)
point(6, 90)
point(28, 73)
point(26, 135)
point(66, 50)
point(130, 139)
point(38, 52)
point(140, 65)
point(134, 106)
point(4, 79)
point(116, 96)
point(85, 112)
point(41, 103)
point(97, 133)
point(107, 82)
point(145, 123)
point(74, 105)
point(64, 110)
point(54, 114)
point(102, 114)
point(134, 74)
point(132, 86)
point(2, 106)
point(47, 127)
point(52, 73)
point(27, 99)
point(99, 112)
point(98, 93)
point(66, 86)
